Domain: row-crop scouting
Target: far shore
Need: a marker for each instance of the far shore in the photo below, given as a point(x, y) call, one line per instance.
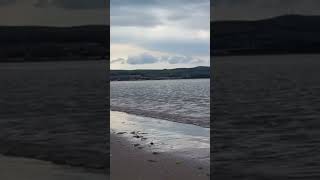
point(160, 79)
point(262, 53)
point(56, 59)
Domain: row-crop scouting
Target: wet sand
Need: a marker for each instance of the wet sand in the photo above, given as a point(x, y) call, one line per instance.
point(148, 148)
point(131, 163)
point(12, 168)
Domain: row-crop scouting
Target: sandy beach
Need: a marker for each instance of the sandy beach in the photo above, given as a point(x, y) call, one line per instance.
point(147, 148)
point(143, 164)
point(12, 168)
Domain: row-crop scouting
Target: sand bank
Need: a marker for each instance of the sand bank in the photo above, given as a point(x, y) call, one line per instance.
point(13, 168)
point(146, 148)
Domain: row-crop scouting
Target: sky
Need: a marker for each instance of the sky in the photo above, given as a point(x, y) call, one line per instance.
point(53, 12)
point(151, 34)
point(159, 34)
point(261, 9)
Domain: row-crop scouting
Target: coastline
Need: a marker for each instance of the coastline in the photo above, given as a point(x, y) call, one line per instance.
point(156, 150)
point(157, 115)
point(140, 164)
point(160, 79)
point(39, 170)
point(55, 60)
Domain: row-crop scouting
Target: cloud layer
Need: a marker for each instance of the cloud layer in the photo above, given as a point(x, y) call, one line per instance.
point(146, 58)
point(260, 9)
point(53, 12)
point(177, 28)
point(73, 4)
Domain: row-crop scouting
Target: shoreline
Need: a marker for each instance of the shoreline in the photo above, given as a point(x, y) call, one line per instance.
point(155, 115)
point(164, 79)
point(53, 60)
point(267, 55)
point(39, 170)
point(148, 148)
point(88, 161)
point(141, 164)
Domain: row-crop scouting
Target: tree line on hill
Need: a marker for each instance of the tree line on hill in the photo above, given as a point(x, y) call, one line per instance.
point(278, 35)
point(32, 43)
point(179, 73)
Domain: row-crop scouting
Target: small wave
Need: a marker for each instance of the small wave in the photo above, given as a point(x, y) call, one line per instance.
point(199, 121)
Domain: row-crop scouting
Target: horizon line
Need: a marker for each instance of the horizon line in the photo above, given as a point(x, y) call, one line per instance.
point(159, 69)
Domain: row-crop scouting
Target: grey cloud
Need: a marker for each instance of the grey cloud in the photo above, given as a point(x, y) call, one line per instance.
point(262, 3)
point(260, 9)
point(128, 12)
point(119, 60)
point(191, 16)
point(53, 12)
point(74, 4)
point(134, 18)
point(177, 16)
point(164, 3)
point(150, 59)
point(177, 59)
point(142, 59)
point(188, 48)
point(181, 60)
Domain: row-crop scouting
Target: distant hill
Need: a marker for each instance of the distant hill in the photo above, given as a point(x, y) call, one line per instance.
point(35, 43)
point(180, 73)
point(35, 34)
point(283, 34)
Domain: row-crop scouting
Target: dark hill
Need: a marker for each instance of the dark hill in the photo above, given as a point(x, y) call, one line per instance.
point(180, 73)
point(34, 34)
point(283, 34)
point(31, 43)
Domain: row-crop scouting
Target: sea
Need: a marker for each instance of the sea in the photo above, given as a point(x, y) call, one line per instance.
point(174, 115)
point(55, 111)
point(184, 100)
point(265, 117)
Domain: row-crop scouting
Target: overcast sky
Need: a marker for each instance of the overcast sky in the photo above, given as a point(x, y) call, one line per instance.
point(261, 9)
point(151, 33)
point(53, 12)
point(157, 34)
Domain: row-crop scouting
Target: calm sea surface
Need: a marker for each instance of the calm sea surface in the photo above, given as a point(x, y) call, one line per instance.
point(266, 117)
point(55, 111)
point(185, 101)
